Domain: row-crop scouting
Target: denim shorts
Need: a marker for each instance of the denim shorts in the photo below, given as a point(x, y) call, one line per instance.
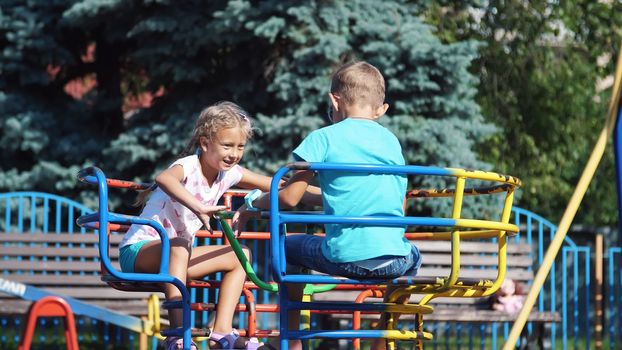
point(306, 251)
point(127, 255)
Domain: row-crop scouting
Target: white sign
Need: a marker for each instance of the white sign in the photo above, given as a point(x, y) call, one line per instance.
point(11, 287)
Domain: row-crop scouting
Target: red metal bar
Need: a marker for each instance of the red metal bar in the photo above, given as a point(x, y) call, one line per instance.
point(50, 306)
point(252, 312)
point(356, 315)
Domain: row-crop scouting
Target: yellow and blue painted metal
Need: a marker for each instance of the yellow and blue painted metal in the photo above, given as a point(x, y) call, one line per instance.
point(451, 285)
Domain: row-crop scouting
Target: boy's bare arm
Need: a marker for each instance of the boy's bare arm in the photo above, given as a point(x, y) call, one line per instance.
point(289, 196)
point(293, 192)
point(313, 196)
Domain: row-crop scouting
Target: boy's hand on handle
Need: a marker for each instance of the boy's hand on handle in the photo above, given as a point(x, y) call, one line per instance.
point(241, 217)
point(207, 212)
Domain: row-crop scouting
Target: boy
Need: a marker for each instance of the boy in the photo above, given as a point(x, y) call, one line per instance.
point(357, 101)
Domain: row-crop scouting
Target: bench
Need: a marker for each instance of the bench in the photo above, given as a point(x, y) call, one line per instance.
point(62, 263)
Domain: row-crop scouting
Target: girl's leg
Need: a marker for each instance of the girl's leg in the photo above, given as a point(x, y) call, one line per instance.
point(209, 259)
point(148, 261)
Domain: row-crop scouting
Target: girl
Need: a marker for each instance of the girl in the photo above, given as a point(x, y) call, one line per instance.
point(183, 202)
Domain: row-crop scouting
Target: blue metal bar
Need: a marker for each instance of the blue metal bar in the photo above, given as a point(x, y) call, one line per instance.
point(618, 284)
point(395, 221)
point(276, 234)
point(28, 292)
point(266, 275)
point(433, 328)
point(529, 239)
point(70, 220)
point(575, 299)
point(564, 304)
point(219, 241)
point(617, 148)
point(283, 314)
point(540, 258)
point(529, 229)
point(587, 287)
point(552, 287)
point(482, 334)
point(83, 229)
point(46, 213)
point(371, 168)
point(49, 196)
point(7, 214)
point(58, 214)
point(20, 214)
point(517, 218)
point(193, 299)
point(470, 332)
point(611, 321)
point(494, 335)
point(458, 327)
point(447, 331)
point(335, 334)
point(33, 213)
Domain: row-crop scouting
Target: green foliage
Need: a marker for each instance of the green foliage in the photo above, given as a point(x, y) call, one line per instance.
point(539, 72)
point(272, 57)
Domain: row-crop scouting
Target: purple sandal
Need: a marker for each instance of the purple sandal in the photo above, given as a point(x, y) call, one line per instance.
point(175, 343)
point(234, 341)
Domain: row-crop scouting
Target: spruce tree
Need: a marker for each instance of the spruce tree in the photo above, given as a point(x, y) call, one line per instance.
point(274, 58)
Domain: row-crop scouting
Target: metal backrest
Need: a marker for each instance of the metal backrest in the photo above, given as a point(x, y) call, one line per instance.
point(453, 227)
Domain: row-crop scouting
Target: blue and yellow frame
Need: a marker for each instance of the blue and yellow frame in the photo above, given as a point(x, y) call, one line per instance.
point(456, 228)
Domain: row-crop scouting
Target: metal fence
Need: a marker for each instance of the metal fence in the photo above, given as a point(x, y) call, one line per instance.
point(569, 289)
point(30, 212)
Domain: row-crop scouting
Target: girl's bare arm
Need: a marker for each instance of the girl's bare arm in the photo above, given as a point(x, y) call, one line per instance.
point(170, 182)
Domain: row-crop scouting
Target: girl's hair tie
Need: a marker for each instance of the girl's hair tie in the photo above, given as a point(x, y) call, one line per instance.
point(244, 116)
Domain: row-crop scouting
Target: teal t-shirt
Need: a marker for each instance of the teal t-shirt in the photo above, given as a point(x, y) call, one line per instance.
point(351, 194)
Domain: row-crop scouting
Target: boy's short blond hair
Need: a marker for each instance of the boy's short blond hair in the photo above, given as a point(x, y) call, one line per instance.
point(359, 83)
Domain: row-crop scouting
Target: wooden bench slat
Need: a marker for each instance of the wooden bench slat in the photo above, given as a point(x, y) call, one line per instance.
point(49, 266)
point(33, 251)
point(517, 275)
point(450, 315)
point(64, 252)
point(474, 316)
point(476, 260)
point(471, 247)
point(53, 237)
